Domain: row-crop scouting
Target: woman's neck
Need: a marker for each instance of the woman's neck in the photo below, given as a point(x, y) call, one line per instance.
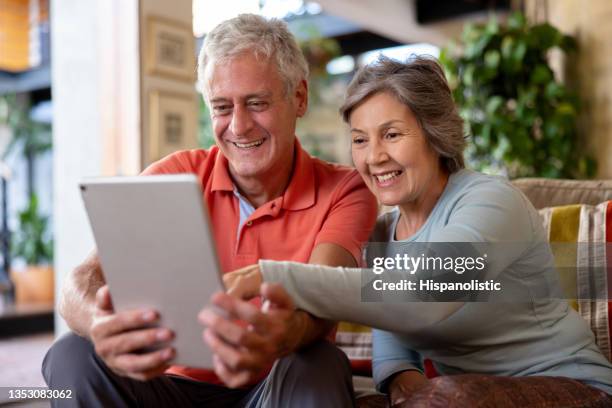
point(414, 214)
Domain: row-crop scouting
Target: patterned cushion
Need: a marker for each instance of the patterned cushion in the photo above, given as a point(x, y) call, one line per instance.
point(356, 341)
point(572, 223)
point(583, 224)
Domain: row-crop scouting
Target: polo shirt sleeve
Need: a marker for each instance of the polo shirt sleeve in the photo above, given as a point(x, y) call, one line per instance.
point(351, 217)
point(175, 163)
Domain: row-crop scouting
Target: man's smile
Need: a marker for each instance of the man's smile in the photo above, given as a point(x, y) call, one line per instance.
point(249, 145)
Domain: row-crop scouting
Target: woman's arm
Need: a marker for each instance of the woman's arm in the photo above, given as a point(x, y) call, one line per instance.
point(493, 213)
point(391, 356)
point(335, 294)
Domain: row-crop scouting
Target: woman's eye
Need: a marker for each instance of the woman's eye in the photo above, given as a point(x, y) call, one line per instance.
point(392, 135)
point(358, 140)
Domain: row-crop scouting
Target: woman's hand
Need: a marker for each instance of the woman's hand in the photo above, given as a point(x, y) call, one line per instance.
point(243, 283)
point(404, 384)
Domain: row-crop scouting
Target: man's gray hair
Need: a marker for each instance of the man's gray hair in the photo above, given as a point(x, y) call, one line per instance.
point(265, 38)
point(421, 85)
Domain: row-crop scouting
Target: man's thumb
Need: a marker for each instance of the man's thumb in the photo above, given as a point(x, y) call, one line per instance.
point(277, 296)
point(103, 299)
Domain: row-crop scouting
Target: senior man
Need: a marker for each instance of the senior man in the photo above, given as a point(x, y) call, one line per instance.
point(267, 198)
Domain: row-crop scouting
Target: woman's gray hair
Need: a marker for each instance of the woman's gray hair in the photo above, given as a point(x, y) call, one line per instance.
point(421, 85)
point(265, 38)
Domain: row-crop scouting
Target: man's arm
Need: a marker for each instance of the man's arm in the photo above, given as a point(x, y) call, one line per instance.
point(118, 338)
point(77, 303)
point(242, 353)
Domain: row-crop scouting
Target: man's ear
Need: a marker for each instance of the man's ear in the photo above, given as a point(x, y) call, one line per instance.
point(301, 98)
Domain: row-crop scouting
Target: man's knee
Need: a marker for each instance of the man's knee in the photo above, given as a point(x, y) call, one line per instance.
point(318, 355)
point(318, 363)
point(70, 355)
point(318, 375)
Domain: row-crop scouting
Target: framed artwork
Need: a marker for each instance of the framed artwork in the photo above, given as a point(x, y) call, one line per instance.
point(170, 49)
point(173, 123)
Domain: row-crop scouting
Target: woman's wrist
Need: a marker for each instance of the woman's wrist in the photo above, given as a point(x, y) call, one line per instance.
point(404, 384)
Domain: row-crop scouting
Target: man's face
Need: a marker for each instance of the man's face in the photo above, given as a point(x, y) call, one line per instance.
point(252, 118)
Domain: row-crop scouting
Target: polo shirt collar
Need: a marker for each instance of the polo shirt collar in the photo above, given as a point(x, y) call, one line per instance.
point(221, 180)
point(300, 192)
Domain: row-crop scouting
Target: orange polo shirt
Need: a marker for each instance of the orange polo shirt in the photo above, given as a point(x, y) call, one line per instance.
point(323, 203)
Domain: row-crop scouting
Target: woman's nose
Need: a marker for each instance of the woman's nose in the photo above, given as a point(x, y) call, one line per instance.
point(376, 154)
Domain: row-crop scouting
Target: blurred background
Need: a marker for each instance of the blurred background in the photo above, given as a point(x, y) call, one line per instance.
point(105, 87)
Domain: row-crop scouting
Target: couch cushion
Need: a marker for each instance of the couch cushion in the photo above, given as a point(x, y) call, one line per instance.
point(588, 231)
point(549, 192)
point(356, 341)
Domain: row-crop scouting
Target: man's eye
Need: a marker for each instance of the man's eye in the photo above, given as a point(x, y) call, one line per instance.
point(358, 140)
point(258, 105)
point(391, 135)
point(221, 109)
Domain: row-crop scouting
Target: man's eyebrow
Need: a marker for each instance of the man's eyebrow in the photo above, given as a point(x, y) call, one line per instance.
point(219, 99)
point(264, 94)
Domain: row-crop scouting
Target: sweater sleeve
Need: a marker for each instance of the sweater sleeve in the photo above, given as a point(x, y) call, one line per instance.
point(335, 294)
point(489, 213)
point(391, 356)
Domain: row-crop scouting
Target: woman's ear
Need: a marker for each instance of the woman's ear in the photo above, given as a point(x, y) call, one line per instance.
point(301, 98)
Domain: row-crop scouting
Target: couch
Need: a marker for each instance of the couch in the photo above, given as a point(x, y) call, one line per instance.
point(572, 211)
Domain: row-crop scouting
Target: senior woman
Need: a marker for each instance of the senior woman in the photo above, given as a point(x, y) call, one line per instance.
point(407, 144)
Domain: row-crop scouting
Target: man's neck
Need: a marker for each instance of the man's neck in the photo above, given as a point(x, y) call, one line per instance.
point(263, 188)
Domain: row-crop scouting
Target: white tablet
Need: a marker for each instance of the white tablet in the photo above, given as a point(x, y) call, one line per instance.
point(156, 248)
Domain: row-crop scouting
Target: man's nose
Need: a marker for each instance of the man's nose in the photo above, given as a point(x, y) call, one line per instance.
point(242, 122)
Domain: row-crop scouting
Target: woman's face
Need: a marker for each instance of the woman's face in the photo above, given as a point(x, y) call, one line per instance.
point(390, 151)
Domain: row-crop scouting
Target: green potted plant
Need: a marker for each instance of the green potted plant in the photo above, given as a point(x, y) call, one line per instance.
point(34, 246)
point(522, 121)
point(30, 242)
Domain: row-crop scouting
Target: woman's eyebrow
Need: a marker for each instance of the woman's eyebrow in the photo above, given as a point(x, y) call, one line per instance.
point(390, 123)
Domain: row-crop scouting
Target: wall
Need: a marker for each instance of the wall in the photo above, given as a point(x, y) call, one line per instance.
point(100, 117)
point(95, 113)
point(590, 72)
point(177, 13)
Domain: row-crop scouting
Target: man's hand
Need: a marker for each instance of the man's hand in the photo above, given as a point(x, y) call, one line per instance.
point(244, 283)
point(243, 352)
point(119, 339)
point(405, 384)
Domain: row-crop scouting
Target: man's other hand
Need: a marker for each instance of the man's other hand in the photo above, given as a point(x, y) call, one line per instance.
point(120, 338)
point(249, 340)
point(243, 283)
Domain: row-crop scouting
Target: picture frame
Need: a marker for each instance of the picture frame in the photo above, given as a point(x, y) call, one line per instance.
point(170, 49)
point(172, 123)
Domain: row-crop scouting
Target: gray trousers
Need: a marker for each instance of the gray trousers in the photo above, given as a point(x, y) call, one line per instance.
point(316, 376)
